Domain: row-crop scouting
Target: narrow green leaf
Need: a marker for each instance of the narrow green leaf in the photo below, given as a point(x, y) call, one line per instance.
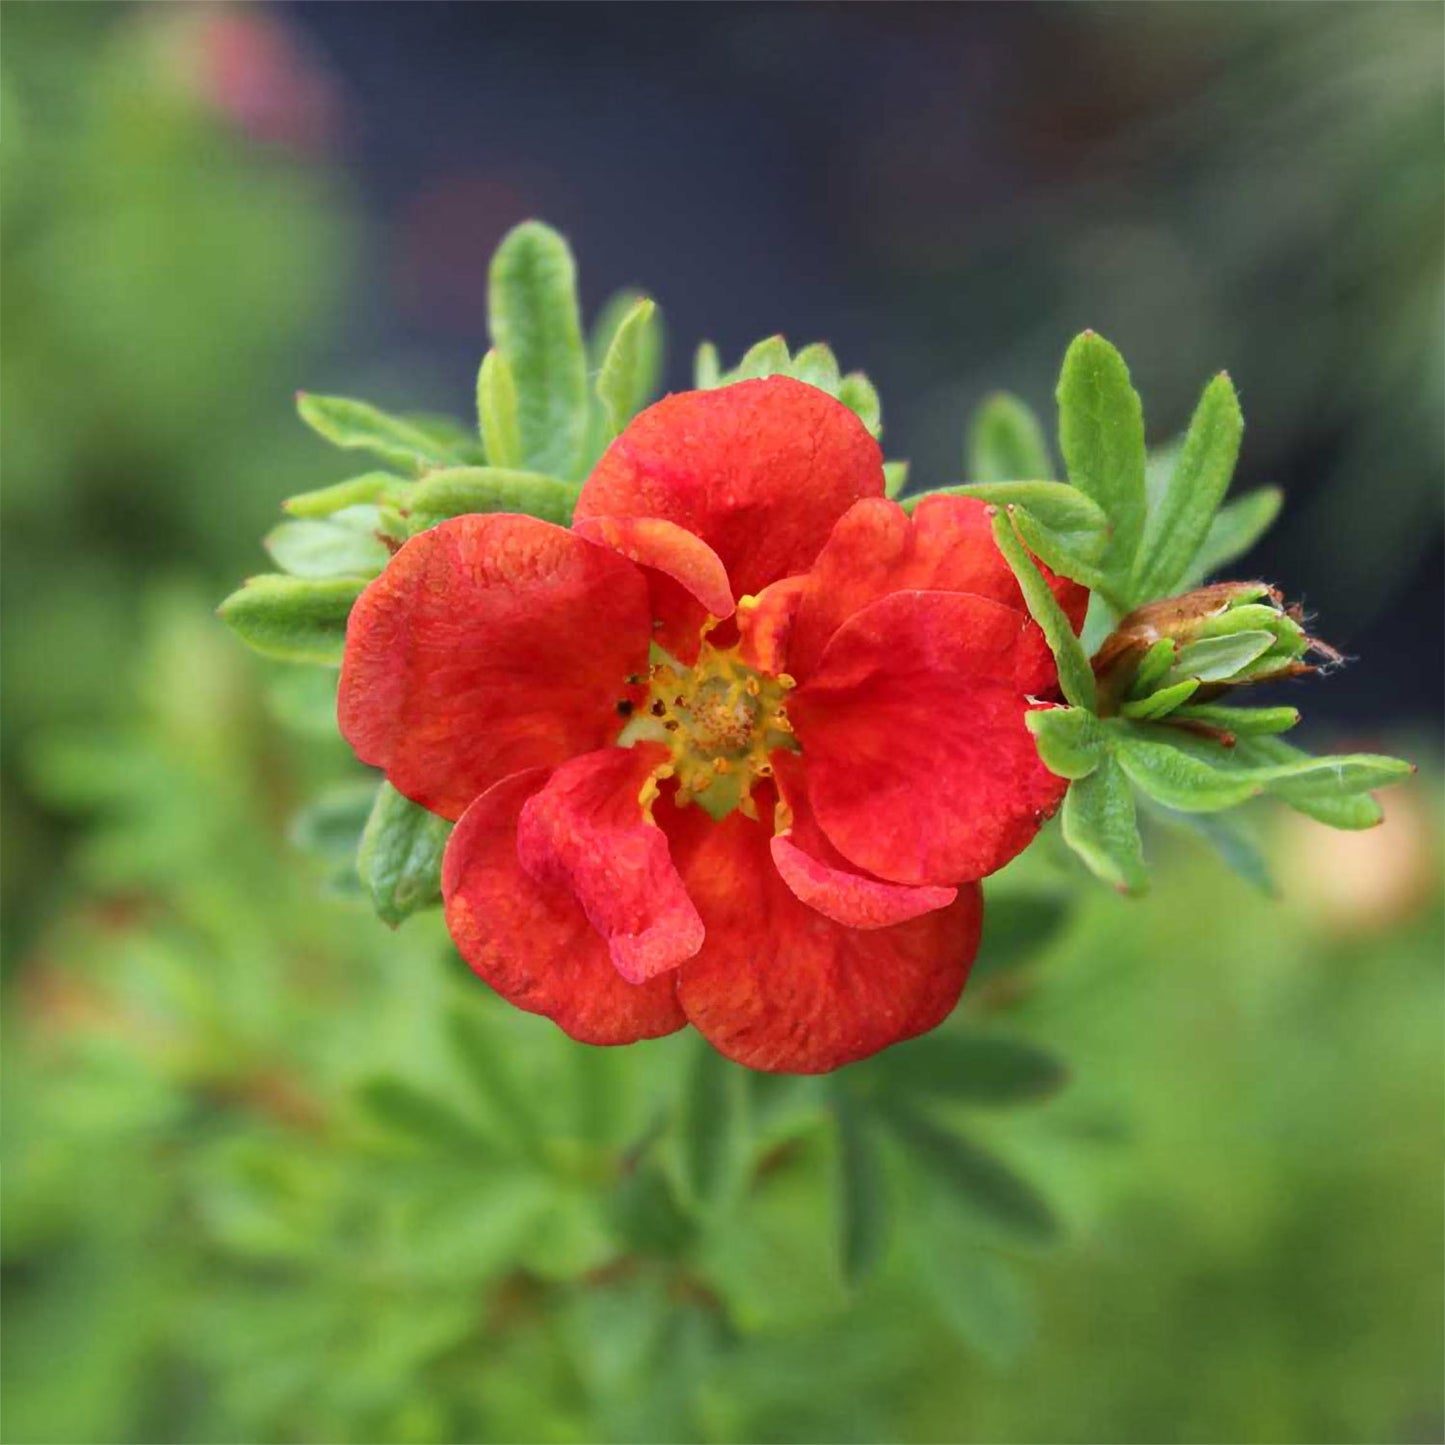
point(359, 426)
point(860, 396)
point(1154, 666)
point(1070, 740)
point(1242, 721)
point(1076, 677)
point(369, 487)
point(486, 1067)
point(863, 1216)
point(713, 1127)
point(977, 1295)
point(631, 366)
point(1101, 434)
point(1101, 826)
point(706, 367)
point(895, 478)
point(1159, 704)
point(329, 826)
point(458, 491)
point(345, 544)
point(1078, 522)
point(979, 1180)
point(408, 1111)
point(1177, 527)
point(1172, 773)
point(400, 859)
point(1058, 554)
point(292, 618)
point(498, 414)
point(1332, 790)
point(817, 365)
point(1216, 659)
point(448, 434)
point(1236, 527)
point(536, 327)
point(1017, 927)
point(974, 1068)
point(1227, 835)
point(768, 357)
point(1006, 442)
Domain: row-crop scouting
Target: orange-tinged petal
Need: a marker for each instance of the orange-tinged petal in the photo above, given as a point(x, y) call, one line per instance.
point(531, 941)
point(490, 644)
point(765, 623)
point(823, 879)
point(587, 830)
point(776, 986)
point(920, 767)
point(760, 470)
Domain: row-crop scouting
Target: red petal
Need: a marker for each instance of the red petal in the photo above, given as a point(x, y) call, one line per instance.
point(587, 831)
point(490, 644)
point(822, 878)
point(920, 767)
point(687, 580)
point(531, 941)
point(778, 987)
point(760, 471)
point(947, 546)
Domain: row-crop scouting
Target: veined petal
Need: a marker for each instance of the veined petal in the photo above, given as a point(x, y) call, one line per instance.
point(946, 546)
point(587, 830)
point(490, 644)
point(823, 879)
point(760, 470)
point(531, 941)
point(687, 580)
point(919, 764)
point(776, 986)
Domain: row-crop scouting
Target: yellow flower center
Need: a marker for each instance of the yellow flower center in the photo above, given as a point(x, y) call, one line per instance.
point(720, 720)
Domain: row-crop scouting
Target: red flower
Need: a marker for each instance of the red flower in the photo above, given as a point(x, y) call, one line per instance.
point(734, 751)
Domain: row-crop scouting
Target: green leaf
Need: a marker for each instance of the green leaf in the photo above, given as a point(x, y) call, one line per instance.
point(1100, 824)
point(448, 434)
point(895, 478)
point(1017, 927)
point(817, 365)
point(974, 1068)
point(1242, 721)
point(713, 1128)
point(860, 396)
point(1006, 442)
point(631, 367)
point(768, 357)
point(1059, 555)
point(1170, 772)
point(1076, 677)
point(292, 618)
point(1230, 839)
point(498, 413)
point(1070, 740)
point(369, 487)
point(359, 426)
point(486, 1067)
point(407, 1111)
point(1177, 527)
point(1216, 659)
point(1101, 434)
point(329, 826)
point(400, 859)
point(979, 1297)
point(459, 491)
point(863, 1215)
point(536, 327)
point(706, 367)
point(1077, 522)
point(345, 544)
point(1333, 794)
point(979, 1180)
point(1236, 527)
point(1159, 704)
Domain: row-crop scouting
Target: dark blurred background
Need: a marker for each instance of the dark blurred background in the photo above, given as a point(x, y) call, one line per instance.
point(207, 207)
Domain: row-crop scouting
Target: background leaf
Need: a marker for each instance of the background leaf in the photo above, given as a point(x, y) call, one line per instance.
point(1006, 442)
point(400, 859)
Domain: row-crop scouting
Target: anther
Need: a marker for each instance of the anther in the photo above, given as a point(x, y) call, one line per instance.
point(624, 708)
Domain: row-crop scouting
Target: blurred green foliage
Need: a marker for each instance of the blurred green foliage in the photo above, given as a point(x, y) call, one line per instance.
point(276, 1173)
